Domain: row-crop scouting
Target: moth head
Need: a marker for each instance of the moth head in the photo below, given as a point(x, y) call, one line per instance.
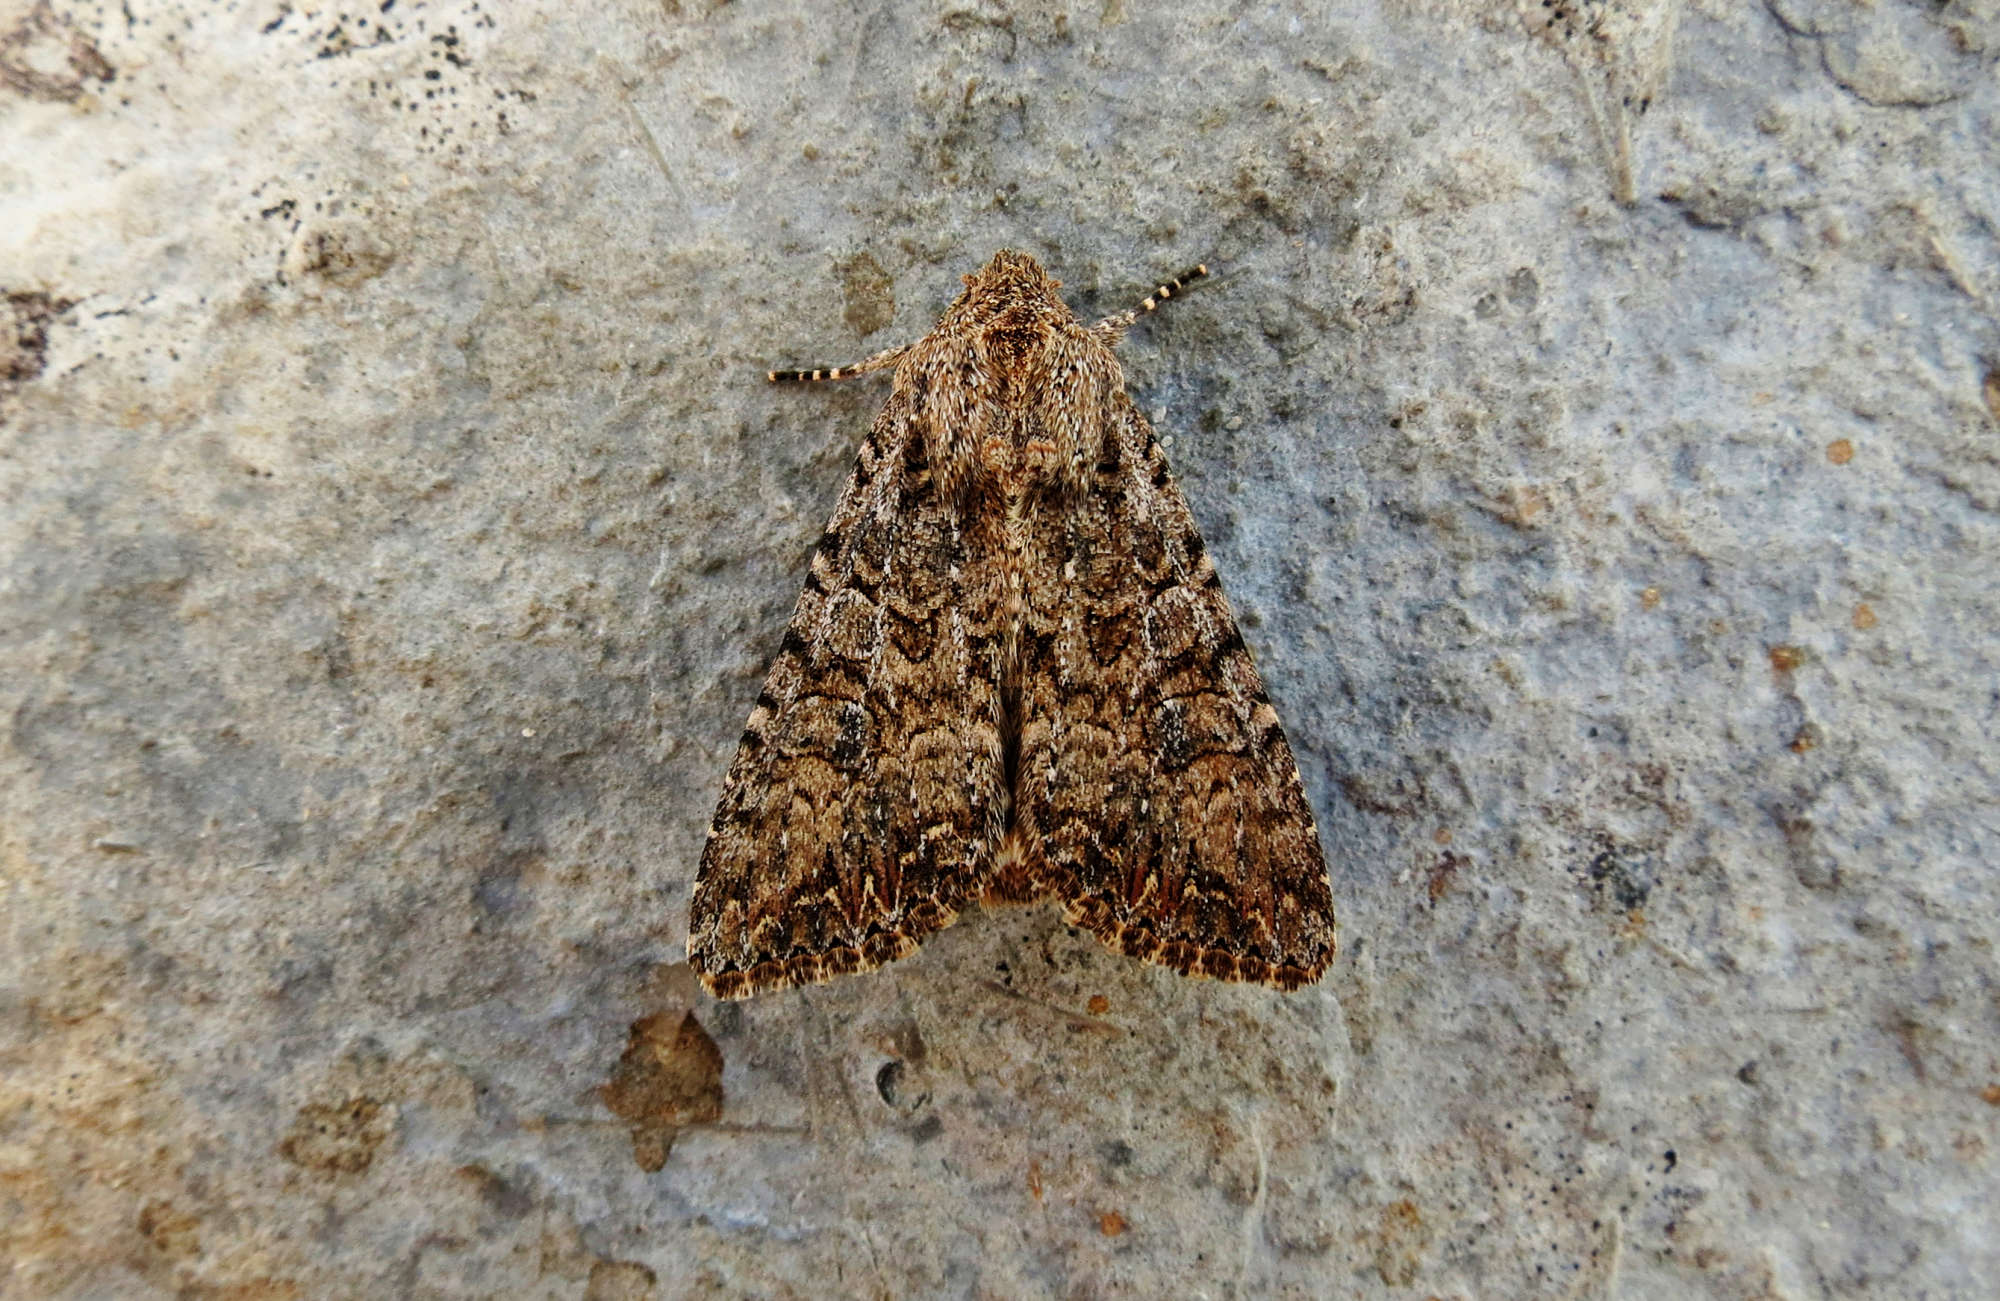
point(1013, 267)
point(1011, 282)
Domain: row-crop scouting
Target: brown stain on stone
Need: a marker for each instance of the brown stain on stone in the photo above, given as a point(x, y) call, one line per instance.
point(1522, 506)
point(1379, 797)
point(1864, 616)
point(173, 1232)
point(870, 294)
point(620, 1280)
point(342, 256)
point(1437, 883)
point(505, 1200)
point(1111, 1224)
point(1400, 1242)
point(1911, 1036)
point(336, 1138)
point(669, 1077)
point(263, 1288)
point(1990, 389)
point(907, 1041)
point(1786, 659)
point(1840, 451)
point(44, 56)
point(25, 317)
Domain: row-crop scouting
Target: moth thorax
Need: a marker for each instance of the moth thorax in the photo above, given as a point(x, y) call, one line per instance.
point(1019, 451)
point(1056, 422)
point(1019, 404)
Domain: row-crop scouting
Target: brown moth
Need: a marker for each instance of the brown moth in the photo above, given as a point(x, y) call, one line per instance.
point(1012, 675)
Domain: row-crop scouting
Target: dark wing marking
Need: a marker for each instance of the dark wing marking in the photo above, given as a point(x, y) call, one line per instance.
point(868, 795)
point(1156, 796)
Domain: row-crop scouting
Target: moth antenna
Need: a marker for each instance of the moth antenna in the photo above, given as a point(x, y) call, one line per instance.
point(880, 360)
point(1115, 326)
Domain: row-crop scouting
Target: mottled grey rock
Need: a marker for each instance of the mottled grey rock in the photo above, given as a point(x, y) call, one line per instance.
point(1595, 424)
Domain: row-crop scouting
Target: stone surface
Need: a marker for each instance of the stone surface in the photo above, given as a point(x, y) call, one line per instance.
point(1595, 425)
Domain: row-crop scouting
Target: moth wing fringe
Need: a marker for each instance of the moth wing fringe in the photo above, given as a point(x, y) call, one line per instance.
point(798, 969)
point(1135, 939)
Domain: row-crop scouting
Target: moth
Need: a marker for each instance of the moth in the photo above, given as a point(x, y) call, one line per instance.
point(1012, 675)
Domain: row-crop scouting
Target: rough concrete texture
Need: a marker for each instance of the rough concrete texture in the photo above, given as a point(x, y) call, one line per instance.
point(1596, 427)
